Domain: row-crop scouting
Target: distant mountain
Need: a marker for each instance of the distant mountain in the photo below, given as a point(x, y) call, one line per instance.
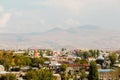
point(89, 27)
point(88, 36)
point(55, 30)
point(83, 29)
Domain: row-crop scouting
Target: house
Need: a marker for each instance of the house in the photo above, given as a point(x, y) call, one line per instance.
point(30, 52)
point(91, 59)
point(54, 66)
point(2, 68)
point(36, 54)
point(76, 67)
point(107, 74)
point(19, 52)
point(58, 77)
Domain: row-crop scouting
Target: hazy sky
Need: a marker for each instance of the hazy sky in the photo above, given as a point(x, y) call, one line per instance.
point(22, 16)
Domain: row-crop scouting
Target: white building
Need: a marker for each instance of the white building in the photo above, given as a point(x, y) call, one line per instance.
point(2, 68)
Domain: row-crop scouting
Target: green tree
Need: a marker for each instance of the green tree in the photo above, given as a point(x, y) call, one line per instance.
point(93, 71)
point(42, 74)
point(1, 53)
point(37, 61)
point(113, 58)
point(27, 61)
point(12, 62)
point(7, 63)
point(75, 78)
point(64, 76)
point(63, 67)
point(41, 53)
point(85, 54)
point(63, 73)
point(77, 60)
point(8, 77)
point(31, 75)
point(116, 73)
point(82, 61)
point(19, 60)
point(94, 53)
point(83, 74)
point(98, 53)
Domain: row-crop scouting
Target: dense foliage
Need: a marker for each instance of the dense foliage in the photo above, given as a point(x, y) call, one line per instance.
point(113, 58)
point(8, 77)
point(42, 74)
point(8, 60)
point(93, 71)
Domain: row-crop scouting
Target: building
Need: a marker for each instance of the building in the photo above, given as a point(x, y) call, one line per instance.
point(107, 74)
point(58, 77)
point(54, 66)
point(19, 52)
point(2, 68)
point(72, 68)
point(36, 54)
point(100, 60)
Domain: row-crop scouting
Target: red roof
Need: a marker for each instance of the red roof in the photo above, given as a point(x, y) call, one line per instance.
point(77, 65)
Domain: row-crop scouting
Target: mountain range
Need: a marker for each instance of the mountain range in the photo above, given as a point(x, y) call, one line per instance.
point(88, 36)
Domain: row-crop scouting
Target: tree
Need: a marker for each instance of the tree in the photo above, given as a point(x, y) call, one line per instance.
point(94, 53)
point(27, 61)
point(42, 74)
point(8, 77)
point(63, 67)
point(83, 74)
point(41, 53)
point(7, 63)
point(77, 60)
point(75, 78)
point(85, 54)
point(13, 62)
point(82, 61)
point(37, 61)
point(116, 73)
point(98, 53)
point(113, 58)
point(31, 75)
point(93, 71)
point(63, 74)
point(19, 60)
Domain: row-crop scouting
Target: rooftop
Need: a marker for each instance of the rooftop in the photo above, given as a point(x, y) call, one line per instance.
point(105, 70)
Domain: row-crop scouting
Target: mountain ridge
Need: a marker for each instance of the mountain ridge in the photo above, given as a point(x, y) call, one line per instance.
point(85, 37)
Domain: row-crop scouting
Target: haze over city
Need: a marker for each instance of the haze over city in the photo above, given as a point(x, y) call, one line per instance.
point(60, 23)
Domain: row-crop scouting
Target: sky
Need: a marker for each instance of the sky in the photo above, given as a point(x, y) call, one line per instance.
point(26, 16)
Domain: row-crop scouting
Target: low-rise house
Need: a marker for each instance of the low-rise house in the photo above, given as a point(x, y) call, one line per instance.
point(19, 52)
point(54, 66)
point(91, 59)
point(58, 77)
point(76, 67)
point(117, 65)
point(34, 53)
point(107, 74)
point(2, 68)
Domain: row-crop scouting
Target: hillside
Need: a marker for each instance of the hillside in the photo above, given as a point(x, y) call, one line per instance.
point(88, 36)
